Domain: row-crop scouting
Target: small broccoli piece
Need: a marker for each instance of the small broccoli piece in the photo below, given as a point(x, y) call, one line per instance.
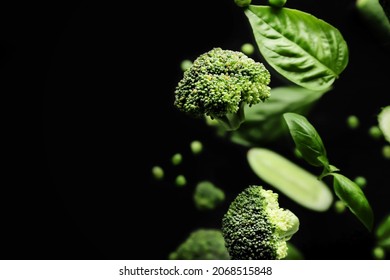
point(219, 84)
point(207, 196)
point(256, 228)
point(202, 244)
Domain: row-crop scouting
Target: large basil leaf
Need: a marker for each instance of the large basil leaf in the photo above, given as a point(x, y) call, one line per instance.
point(302, 48)
point(306, 139)
point(353, 197)
point(264, 121)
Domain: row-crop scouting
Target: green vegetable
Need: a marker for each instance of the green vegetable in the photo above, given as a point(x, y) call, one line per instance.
point(360, 181)
point(339, 206)
point(382, 233)
point(219, 84)
point(293, 253)
point(243, 3)
point(196, 147)
point(293, 181)
point(353, 197)
point(248, 48)
point(176, 159)
point(378, 253)
point(372, 13)
point(375, 132)
point(185, 64)
point(202, 244)
point(285, 39)
point(207, 196)
point(306, 139)
point(256, 228)
point(264, 122)
point(309, 143)
point(180, 181)
point(158, 172)
point(353, 122)
point(384, 122)
point(277, 3)
point(386, 7)
point(386, 151)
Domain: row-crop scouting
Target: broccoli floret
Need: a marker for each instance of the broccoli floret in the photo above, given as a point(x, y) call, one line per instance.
point(207, 196)
point(219, 84)
point(202, 244)
point(256, 228)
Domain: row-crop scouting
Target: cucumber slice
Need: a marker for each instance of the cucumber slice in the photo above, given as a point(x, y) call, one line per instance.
point(384, 122)
point(290, 179)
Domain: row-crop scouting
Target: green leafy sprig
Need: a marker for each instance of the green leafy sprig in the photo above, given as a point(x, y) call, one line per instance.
point(309, 143)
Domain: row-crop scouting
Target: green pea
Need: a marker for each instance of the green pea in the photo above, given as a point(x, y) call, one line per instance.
point(176, 159)
point(248, 48)
point(361, 181)
point(180, 181)
point(185, 64)
point(375, 132)
point(353, 122)
point(386, 151)
point(158, 172)
point(196, 147)
point(378, 253)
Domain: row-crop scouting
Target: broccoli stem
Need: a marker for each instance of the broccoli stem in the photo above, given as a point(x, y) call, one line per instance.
point(233, 121)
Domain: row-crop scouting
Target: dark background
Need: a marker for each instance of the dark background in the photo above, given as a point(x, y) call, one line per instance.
point(88, 98)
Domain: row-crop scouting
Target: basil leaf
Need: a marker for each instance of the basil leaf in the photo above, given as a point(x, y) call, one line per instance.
point(264, 121)
point(383, 233)
point(353, 197)
point(386, 7)
point(302, 48)
point(290, 179)
point(306, 139)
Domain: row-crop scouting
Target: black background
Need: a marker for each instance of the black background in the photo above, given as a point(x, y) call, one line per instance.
point(87, 92)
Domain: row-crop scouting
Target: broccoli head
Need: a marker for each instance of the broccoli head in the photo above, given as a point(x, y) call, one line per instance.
point(219, 84)
point(202, 244)
point(207, 196)
point(256, 228)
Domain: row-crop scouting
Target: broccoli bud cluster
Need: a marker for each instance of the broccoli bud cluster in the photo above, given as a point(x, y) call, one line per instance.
point(202, 244)
point(256, 228)
point(219, 83)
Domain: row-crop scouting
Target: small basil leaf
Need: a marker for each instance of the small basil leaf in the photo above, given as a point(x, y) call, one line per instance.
point(302, 48)
point(306, 139)
point(353, 197)
point(383, 233)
